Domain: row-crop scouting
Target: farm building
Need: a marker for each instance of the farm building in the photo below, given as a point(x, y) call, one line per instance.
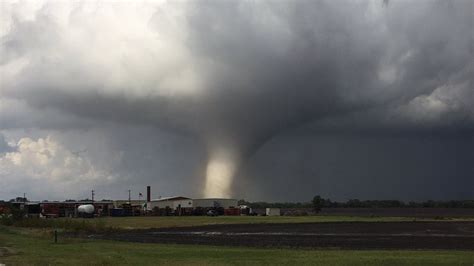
point(215, 203)
point(170, 202)
point(4, 207)
point(69, 208)
point(219, 205)
point(32, 209)
point(180, 205)
point(272, 211)
point(29, 208)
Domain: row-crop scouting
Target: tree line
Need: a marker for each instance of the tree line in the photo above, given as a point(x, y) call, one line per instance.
point(318, 202)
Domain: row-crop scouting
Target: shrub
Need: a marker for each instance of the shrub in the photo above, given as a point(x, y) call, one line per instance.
point(6, 219)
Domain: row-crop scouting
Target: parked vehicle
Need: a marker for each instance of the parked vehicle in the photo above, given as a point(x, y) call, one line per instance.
point(211, 213)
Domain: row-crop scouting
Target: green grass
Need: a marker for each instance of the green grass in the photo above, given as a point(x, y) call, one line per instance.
point(37, 248)
point(140, 222)
point(173, 221)
point(71, 225)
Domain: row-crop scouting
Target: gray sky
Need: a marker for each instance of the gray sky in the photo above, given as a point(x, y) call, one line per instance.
point(267, 100)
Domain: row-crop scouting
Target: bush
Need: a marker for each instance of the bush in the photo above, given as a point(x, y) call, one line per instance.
point(317, 203)
point(12, 217)
point(6, 219)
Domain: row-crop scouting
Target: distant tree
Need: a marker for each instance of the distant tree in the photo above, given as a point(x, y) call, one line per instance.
point(327, 203)
point(19, 199)
point(354, 203)
point(317, 203)
point(429, 204)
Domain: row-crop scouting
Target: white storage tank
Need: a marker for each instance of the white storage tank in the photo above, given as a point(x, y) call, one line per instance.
point(273, 212)
point(86, 209)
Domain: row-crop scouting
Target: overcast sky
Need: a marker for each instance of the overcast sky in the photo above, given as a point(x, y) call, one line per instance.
point(262, 100)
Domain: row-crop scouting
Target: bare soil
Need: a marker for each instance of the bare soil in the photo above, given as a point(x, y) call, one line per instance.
point(340, 235)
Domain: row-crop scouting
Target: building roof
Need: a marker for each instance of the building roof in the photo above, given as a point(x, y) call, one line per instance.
point(214, 199)
point(171, 198)
point(77, 202)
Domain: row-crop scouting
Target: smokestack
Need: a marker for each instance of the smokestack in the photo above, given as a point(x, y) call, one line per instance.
point(148, 193)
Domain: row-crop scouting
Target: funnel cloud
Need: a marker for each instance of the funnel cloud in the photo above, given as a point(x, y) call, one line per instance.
point(262, 100)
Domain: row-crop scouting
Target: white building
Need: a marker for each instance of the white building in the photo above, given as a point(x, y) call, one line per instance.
point(273, 212)
point(170, 202)
point(183, 202)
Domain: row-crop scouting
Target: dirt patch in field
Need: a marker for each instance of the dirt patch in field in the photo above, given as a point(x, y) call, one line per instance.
point(342, 235)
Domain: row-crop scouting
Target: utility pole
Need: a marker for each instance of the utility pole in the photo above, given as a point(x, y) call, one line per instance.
point(130, 200)
point(140, 201)
point(92, 193)
point(24, 197)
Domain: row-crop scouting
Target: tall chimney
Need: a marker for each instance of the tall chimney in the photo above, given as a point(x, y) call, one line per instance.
point(148, 193)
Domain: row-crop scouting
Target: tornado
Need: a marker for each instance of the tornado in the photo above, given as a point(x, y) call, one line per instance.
point(220, 171)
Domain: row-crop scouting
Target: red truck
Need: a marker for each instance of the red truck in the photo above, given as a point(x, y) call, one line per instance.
point(50, 209)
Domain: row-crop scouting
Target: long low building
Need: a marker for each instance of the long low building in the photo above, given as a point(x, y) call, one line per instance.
point(55, 208)
point(215, 203)
point(180, 203)
point(170, 202)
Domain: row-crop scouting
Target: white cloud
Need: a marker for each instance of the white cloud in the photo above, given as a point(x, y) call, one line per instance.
point(48, 162)
point(441, 106)
point(136, 59)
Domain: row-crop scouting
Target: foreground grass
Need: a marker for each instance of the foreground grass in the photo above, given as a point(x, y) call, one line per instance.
point(37, 248)
point(173, 221)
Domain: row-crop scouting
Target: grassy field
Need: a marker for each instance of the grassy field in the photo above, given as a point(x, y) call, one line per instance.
point(34, 247)
point(173, 221)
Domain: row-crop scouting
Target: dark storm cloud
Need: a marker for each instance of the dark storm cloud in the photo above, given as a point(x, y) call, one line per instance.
point(365, 166)
point(237, 74)
point(285, 64)
point(272, 65)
